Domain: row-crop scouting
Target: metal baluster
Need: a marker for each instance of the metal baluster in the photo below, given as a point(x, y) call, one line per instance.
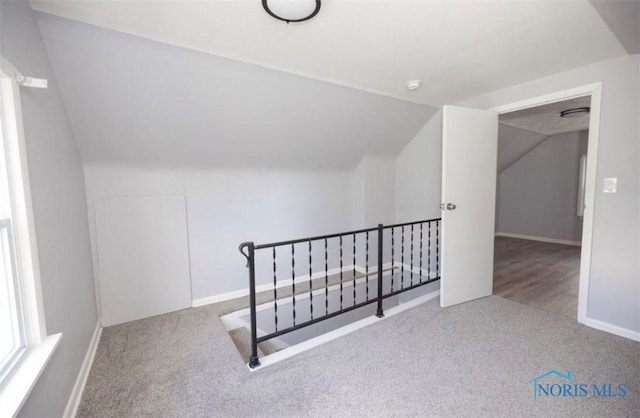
point(366, 267)
point(402, 261)
point(438, 248)
point(429, 252)
point(275, 290)
point(421, 253)
point(326, 277)
point(411, 255)
point(354, 269)
point(310, 283)
point(393, 245)
point(293, 281)
point(341, 286)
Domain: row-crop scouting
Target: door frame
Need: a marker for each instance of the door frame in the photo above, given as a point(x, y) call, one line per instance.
point(595, 91)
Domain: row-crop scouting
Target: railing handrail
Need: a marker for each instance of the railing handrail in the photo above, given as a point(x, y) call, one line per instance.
point(411, 223)
point(329, 236)
point(314, 238)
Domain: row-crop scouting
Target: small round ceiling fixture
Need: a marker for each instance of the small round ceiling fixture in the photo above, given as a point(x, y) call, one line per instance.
point(291, 11)
point(413, 85)
point(574, 112)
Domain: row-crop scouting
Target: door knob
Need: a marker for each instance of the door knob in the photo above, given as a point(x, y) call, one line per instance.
point(449, 206)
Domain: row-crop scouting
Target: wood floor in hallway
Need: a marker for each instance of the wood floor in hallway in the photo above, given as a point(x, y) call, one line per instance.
point(538, 274)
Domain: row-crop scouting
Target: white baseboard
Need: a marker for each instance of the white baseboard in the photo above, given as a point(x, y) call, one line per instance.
point(225, 296)
point(76, 393)
point(612, 329)
point(542, 239)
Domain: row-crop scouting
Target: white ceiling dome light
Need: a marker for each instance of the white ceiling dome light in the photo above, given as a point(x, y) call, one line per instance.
point(291, 10)
point(575, 112)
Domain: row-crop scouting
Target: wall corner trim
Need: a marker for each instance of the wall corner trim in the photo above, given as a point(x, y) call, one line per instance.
point(76, 393)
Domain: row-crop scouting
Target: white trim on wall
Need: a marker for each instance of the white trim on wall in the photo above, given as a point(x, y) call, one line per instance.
point(26, 247)
point(37, 347)
point(595, 91)
point(26, 374)
point(78, 388)
point(541, 239)
point(612, 329)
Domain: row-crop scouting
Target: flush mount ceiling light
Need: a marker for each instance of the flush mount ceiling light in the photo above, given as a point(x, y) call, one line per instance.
point(413, 84)
point(291, 10)
point(574, 112)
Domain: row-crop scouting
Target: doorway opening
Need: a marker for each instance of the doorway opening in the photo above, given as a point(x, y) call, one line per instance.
point(544, 199)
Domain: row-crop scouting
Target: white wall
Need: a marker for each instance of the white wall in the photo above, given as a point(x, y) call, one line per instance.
point(227, 207)
point(374, 191)
point(380, 190)
point(418, 184)
point(614, 286)
point(60, 213)
point(419, 173)
point(358, 194)
point(513, 143)
point(143, 250)
point(539, 192)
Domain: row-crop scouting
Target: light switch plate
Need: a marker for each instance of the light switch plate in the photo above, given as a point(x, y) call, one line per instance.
point(610, 185)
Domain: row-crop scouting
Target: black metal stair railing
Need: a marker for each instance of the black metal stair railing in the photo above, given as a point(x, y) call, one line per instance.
point(341, 277)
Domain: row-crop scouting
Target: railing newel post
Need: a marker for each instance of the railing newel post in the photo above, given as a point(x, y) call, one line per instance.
point(379, 312)
point(253, 359)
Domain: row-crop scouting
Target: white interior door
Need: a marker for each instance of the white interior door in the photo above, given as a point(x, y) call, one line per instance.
point(469, 154)
point(143, 258)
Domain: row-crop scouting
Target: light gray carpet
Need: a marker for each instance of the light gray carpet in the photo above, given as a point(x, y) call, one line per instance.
point(474, 359)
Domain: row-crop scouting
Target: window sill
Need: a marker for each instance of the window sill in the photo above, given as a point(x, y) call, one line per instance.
point(17, 386)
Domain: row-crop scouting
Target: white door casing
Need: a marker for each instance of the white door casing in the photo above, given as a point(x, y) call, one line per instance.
point(595, 91)
point(469, 159)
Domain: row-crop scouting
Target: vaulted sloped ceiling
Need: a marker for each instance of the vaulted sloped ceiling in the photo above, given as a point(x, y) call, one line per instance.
point(211, 83)
point(139, 102)
point(459, 49)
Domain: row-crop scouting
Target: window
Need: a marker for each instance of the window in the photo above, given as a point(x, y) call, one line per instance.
point(12, 331)
point(25, 347)
point(12, 334)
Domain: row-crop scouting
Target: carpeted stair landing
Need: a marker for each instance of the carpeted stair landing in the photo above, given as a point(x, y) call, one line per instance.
point(474, 359)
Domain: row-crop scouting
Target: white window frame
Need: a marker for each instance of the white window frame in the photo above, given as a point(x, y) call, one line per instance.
point(7, 250)
point(17, 383)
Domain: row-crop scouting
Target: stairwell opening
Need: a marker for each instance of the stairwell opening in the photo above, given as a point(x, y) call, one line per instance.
point(322, 299)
